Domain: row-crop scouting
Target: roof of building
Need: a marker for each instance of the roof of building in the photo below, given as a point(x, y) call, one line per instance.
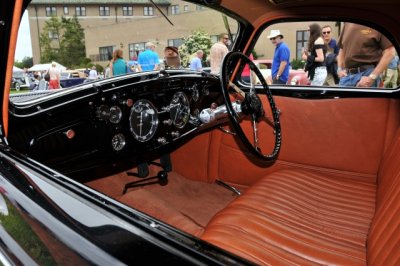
point(86, 2)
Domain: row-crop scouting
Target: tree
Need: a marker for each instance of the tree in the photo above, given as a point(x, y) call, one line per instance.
point(63, 41)
point(199, 40)
point(26, 62)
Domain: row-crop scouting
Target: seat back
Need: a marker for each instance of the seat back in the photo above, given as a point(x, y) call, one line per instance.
point(383, 244)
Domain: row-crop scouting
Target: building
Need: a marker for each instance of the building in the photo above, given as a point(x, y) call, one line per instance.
point(129, 24)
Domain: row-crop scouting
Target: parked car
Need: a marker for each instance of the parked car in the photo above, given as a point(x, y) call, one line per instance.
point(296, 76)
point(177, 167)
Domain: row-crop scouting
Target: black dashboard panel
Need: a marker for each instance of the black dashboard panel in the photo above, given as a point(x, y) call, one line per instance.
point(128, 117)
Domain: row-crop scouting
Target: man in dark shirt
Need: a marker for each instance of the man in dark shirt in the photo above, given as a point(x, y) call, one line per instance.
point(364, 54)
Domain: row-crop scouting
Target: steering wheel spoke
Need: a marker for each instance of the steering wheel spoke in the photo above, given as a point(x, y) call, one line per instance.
point(251, 105)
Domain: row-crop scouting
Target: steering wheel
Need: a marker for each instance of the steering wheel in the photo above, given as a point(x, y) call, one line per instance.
point(250, 106)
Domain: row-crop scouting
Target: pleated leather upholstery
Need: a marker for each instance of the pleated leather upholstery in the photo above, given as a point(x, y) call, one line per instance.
point(384, 236)
point(298, 217)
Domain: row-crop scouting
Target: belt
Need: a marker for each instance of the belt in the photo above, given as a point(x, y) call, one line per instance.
point(359, 69)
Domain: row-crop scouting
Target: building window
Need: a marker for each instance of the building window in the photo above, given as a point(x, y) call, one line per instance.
point(175, 42)
point(66, 10)
point(106, 53)
point(148, 11)
point(199, 7)
point(53, 35)
point(174, 9)
point(214, 38)
point(301, 41)
point(135, 49)
point(127, 11)
point(104, 11)
point(51, 11)
point(80, 11)
point(186, 8)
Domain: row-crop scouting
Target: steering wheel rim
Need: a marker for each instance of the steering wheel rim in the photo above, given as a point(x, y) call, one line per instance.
point(234, 118)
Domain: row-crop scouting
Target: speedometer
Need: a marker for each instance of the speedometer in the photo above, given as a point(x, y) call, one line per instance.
point(179, 109)
point(143, 120)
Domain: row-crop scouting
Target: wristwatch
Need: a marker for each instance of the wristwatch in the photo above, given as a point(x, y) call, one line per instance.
point(373, 76)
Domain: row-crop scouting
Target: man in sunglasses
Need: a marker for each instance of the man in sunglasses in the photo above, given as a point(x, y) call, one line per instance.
point(331, 65)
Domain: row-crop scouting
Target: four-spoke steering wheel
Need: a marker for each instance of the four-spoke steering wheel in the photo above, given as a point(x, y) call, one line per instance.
point(250, 106)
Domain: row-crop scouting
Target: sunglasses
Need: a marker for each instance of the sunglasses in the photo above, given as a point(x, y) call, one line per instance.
point(272, 38)
point(326, 32)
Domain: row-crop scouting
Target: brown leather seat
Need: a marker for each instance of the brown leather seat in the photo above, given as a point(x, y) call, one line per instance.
point(309, 217)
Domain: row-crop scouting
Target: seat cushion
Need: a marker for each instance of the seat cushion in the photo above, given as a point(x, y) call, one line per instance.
point(298, 216)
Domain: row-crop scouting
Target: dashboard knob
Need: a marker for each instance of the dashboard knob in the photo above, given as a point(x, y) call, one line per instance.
point(175, 134)
point(161, 140)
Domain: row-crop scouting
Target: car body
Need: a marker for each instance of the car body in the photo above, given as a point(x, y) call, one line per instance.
point(177, 167)
point(296, 76)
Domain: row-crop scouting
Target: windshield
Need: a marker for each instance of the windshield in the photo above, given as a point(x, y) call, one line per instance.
point(116, 38)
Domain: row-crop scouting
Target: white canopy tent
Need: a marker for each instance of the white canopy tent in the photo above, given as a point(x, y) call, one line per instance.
point(45, 67)
point(17, 70)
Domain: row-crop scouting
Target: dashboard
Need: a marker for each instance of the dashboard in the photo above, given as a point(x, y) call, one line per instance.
point(123, 117)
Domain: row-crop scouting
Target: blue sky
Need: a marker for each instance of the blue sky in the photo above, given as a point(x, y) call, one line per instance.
point(24, 46)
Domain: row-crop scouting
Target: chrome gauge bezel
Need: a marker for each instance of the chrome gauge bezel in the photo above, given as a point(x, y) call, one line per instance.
point(115, 114)
point(118, 142)
point(143, 120)
point(179, 109)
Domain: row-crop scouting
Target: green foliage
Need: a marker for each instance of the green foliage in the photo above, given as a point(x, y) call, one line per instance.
point(26, 62)
point(297, 64)
point(199, 40)
point(66, 46)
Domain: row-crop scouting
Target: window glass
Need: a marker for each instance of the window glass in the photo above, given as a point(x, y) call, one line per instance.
point(104, 10)
point(127, 11)
point(51, 11)
point(311, 51)
point(80, 11)
point(148, 11)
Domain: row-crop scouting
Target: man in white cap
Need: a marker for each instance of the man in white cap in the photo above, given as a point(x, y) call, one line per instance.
point(280, 63)
point(149, 60)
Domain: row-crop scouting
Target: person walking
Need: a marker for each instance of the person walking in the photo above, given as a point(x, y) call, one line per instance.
point(331, 63)
point(93, 73)
point(280, 62)
point(148, 60)
point(118, 64)
point(171, 58)
point(54, 74)
point(315, 56)
point(195, 63)
point(217, 52)
point(364, 54)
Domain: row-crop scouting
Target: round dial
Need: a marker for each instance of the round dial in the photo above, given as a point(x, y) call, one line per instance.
point(196, 94)
point(118, 142)
point(115, 114)
point(179, 109)
point(143, 120)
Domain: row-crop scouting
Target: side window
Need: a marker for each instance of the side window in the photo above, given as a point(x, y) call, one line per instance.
point(307, 54)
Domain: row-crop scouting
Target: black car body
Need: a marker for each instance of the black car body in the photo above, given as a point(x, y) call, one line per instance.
point(124, 170)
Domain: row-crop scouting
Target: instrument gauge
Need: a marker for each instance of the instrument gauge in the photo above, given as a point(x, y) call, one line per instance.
point(179, 109)
point(143, 120)
point(115, 114)
point(118, 142)
point(196, 94)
